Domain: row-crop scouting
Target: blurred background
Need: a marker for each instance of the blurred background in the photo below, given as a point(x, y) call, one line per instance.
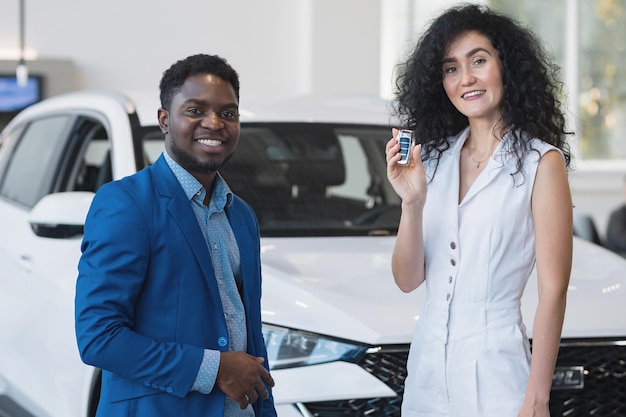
point(284, 48)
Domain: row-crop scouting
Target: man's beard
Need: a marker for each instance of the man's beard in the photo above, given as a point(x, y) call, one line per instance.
point(191, 164)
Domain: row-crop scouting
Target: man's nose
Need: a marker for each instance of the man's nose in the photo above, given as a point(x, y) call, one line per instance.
point(212, 121)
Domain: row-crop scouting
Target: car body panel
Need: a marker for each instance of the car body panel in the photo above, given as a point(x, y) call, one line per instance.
point(330, 295)
point(595, 296)
point(338, 287)
point(312, 384)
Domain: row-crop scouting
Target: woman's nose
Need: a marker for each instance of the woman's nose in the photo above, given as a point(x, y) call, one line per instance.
point(468, 77)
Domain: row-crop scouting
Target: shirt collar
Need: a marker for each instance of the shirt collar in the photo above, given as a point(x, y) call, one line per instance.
point(222, 195)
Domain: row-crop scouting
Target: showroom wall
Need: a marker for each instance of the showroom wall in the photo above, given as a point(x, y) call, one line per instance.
point(280, 48)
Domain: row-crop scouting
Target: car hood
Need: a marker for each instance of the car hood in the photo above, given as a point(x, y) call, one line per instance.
point(343, 287)
point(339, 286)
point(596, 295)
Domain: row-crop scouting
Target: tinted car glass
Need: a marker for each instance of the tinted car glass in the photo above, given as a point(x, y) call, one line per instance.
point(308, 179)
point(29, 174)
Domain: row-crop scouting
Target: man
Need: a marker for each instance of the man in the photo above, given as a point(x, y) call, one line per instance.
point(169, 284)
point(616, 228)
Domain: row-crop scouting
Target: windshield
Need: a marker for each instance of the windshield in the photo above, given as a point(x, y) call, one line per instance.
point(308, 179)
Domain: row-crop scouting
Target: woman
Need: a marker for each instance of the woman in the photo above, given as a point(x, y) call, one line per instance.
point(485, 199)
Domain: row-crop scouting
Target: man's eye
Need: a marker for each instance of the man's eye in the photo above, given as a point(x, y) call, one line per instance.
point(228, 114)
point(194, 110)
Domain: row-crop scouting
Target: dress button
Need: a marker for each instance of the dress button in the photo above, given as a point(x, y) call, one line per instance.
point(453, 245)
point(222, 341)
point(452, 262)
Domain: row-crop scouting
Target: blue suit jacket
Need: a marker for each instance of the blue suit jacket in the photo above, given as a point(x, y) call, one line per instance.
point(147, 301)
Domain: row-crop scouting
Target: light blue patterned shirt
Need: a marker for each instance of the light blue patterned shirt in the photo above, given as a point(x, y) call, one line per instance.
point(225, 257)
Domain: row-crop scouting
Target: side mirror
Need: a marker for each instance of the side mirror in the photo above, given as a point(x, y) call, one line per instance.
point(61, 215)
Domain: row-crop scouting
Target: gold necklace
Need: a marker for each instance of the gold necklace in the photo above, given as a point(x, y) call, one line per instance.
point(469, 153)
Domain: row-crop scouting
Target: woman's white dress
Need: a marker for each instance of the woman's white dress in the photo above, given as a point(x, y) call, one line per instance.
point(470, 354)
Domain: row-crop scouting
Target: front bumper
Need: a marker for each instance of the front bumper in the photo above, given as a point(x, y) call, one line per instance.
point(373, 387)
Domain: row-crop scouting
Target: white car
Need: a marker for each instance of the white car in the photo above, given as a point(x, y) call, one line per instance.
point(337, 328)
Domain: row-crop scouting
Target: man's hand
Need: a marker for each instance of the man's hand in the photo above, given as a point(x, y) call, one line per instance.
point(242, 377)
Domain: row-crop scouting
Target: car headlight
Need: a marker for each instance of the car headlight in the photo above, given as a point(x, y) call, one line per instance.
point(288, 348)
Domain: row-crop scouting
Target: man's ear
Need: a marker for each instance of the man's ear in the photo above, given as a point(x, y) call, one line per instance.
point(163, 117)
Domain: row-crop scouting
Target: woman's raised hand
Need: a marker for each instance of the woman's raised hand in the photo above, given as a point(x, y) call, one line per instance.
point(408, 181)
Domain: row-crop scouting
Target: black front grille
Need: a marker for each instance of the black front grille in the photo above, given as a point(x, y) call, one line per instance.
point(388, 365)
point(603, 394)
point(604, 391)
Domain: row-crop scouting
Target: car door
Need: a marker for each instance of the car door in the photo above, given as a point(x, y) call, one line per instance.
point(38, 354)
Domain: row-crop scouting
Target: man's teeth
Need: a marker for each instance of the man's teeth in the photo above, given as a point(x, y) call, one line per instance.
point(209, 142)
point(473, 93)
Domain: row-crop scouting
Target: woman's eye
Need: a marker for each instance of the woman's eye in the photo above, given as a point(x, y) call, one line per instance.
point(449, 70)
point(479, 61)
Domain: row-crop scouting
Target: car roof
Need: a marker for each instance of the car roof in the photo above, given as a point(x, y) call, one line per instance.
point(348, 109)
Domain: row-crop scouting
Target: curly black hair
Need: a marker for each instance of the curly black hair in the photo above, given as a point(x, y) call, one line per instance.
point(532, 91)
point(174, 77)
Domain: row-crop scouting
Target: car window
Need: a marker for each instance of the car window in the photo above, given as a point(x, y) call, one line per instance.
point(31, 169)
point(307, 179)
point(310, 179)
point(92, 167)
point(356, 178)
point(153, 144)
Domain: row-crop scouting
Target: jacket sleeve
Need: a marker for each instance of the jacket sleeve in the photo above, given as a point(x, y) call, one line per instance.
point(111, 273)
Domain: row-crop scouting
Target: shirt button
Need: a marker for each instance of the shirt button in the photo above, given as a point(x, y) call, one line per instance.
point(215, 246)
point(448, 297)
point(453, 245)
point(222, 341)
point(452, 262)
point(450, 280)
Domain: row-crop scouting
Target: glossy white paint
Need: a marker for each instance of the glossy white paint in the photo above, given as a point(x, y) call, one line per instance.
point(343, 109)
point(343, 287)
point(66, 208)
point(596, 298)
point(340, 287)
point(326, 382)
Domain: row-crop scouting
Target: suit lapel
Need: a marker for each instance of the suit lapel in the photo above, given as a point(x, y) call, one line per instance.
point(181, 213)
point(242, 235)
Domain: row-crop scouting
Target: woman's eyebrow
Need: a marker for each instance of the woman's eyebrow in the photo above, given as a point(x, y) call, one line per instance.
point(467, 55)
